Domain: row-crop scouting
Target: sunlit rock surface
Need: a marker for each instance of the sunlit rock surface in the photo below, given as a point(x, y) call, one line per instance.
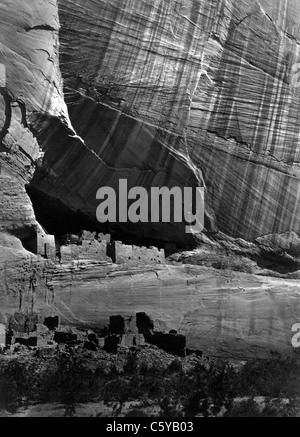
point(162, 93)
point(30, 81)
point(234, 315)
point(181, 93)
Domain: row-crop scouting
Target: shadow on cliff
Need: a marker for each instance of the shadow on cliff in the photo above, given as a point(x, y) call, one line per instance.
point(63, 189)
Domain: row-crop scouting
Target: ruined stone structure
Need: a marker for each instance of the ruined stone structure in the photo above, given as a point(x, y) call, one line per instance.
point(46, 246)
point(139, 329)
point(171, 342)
point(41, 336)
point(88, 236)
point(129, 340)
point(43, 244)
point(27, 329)
point(104, 237)
point(86, 246)
point(121, 253)
point(23, 322)
point(210, 97)
point(98, 247)
point(123, 332)
point(88, 250)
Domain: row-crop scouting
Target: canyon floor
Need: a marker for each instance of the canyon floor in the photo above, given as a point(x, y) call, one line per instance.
point(145, 382)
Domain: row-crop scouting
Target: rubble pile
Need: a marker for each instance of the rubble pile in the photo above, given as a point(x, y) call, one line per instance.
point(135, 331)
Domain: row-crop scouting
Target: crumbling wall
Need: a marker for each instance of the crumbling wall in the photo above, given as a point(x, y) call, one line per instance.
point(120, 253)
point(98, 247)
point(129, 340)
point(66, 254)
point(123, 254)
point(42, 244)
point(22, 322)
point(157, 255)
point(123, 332)
point(89, 250)
point(172, 342)
point(104, 237)
point(139, 329)
point(46, 246)
point(24, 330)
point(88, 236)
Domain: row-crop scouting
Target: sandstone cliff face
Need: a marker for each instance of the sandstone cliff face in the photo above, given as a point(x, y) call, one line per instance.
point(234, 315)
point(181, 93)
point(30, 82)
point(162, 93)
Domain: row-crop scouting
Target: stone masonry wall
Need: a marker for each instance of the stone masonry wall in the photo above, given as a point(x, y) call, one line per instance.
point(122, 253)
point(90, 250)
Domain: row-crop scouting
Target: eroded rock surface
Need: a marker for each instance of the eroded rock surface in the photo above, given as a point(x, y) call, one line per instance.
point(30, 82)
point(162, 93)
point(234, 315)
point(181, 93)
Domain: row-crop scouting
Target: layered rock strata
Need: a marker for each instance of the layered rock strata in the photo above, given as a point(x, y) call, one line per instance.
point(161, 93)
point(234, 315)
point(183, 93)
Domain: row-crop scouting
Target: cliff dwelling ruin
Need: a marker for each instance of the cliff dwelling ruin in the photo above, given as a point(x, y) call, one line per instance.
point(91, 246)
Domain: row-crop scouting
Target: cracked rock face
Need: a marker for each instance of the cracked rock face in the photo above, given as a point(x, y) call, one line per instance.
point(30, 81)
point(234, 315)
point(160, 93)
point(166, 93)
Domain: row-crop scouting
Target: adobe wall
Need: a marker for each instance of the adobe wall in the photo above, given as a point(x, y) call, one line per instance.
point(46, 246)
point(120, 253)
point(88, 236)
point(145, 255)
point(124, 254)
point(101, 249)
point(129, 340)
point(104, 237)
point(89, 250)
